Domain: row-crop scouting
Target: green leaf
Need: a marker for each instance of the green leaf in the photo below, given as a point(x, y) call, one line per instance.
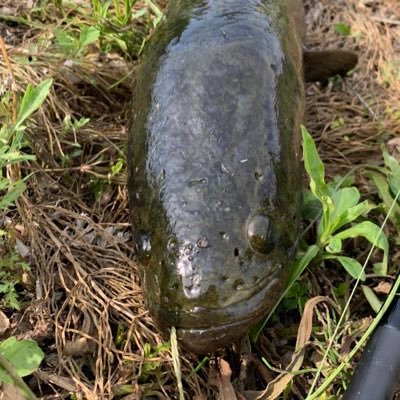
point(341, 181)
point(343, 29)
point(16, 157)
point(342, 289)
point(334, 245)
point(382, 186)
point(301, 264)
point(11, 299)
point(353, 213)
point(88, 35)
point(379, 269)
point(316, 171)
point(4, 183)
point(165, 346)
point(116, 168)
point(372, 233)
point(394, 175)
point(24, 355)
point(78, 124)
point(14, 191)
point(352, 266)
point(5, 287)
point(67, 43)
point(32, 100)
point(313, 165)
point(372, 298)
point(346, 208)
point(311, 208)
point(343, 199)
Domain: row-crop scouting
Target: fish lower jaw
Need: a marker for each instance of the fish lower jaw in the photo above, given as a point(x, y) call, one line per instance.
point(208, 330)
point(214, 338)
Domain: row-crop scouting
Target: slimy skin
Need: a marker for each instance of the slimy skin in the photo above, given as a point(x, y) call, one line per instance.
point(214, 166)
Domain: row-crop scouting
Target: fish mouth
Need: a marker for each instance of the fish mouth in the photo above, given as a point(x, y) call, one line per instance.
point(206, 330)
point(209, 340)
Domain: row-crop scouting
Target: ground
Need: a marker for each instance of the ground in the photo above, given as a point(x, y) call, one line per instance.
point(81, 300)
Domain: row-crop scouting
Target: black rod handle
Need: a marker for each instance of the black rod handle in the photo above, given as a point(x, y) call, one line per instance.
point(378, 371)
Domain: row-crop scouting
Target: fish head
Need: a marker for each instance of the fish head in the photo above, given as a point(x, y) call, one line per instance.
point(217, 271)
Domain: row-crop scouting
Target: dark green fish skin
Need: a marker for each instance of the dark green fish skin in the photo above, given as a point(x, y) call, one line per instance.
point(214, 166)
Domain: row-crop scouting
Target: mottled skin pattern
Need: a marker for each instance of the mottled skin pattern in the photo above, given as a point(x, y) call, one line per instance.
point(214, 166)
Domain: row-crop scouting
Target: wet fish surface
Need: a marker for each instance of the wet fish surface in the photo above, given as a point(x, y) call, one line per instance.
point(214, 171)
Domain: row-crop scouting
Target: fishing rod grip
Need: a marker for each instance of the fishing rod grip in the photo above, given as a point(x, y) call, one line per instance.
point(378, 371)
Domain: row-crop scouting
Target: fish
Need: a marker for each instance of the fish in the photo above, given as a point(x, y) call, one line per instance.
point(214, 162)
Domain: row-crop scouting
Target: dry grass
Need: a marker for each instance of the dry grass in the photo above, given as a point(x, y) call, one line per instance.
point(87, 311)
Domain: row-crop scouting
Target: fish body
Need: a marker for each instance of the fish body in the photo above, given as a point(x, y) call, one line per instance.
point(214, 171)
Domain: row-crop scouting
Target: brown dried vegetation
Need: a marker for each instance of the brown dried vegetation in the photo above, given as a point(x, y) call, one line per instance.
point(86, 308)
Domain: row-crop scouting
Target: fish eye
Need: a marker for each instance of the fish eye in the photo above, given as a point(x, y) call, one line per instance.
point(261, 235)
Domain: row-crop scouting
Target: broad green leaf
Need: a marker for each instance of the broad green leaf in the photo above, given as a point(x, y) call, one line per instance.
point(88, 35)
point(352, 266)
point(353, 213)
point(334, 245)
point(372, 298)
point(32, 100)
point(24, 355)
point(343, 199)
point(346, 208)
point(372, 233)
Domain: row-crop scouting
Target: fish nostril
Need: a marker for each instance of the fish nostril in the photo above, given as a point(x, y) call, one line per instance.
point(236, 252)
point(258, 176)
point(175, 286)
point(238, 284)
